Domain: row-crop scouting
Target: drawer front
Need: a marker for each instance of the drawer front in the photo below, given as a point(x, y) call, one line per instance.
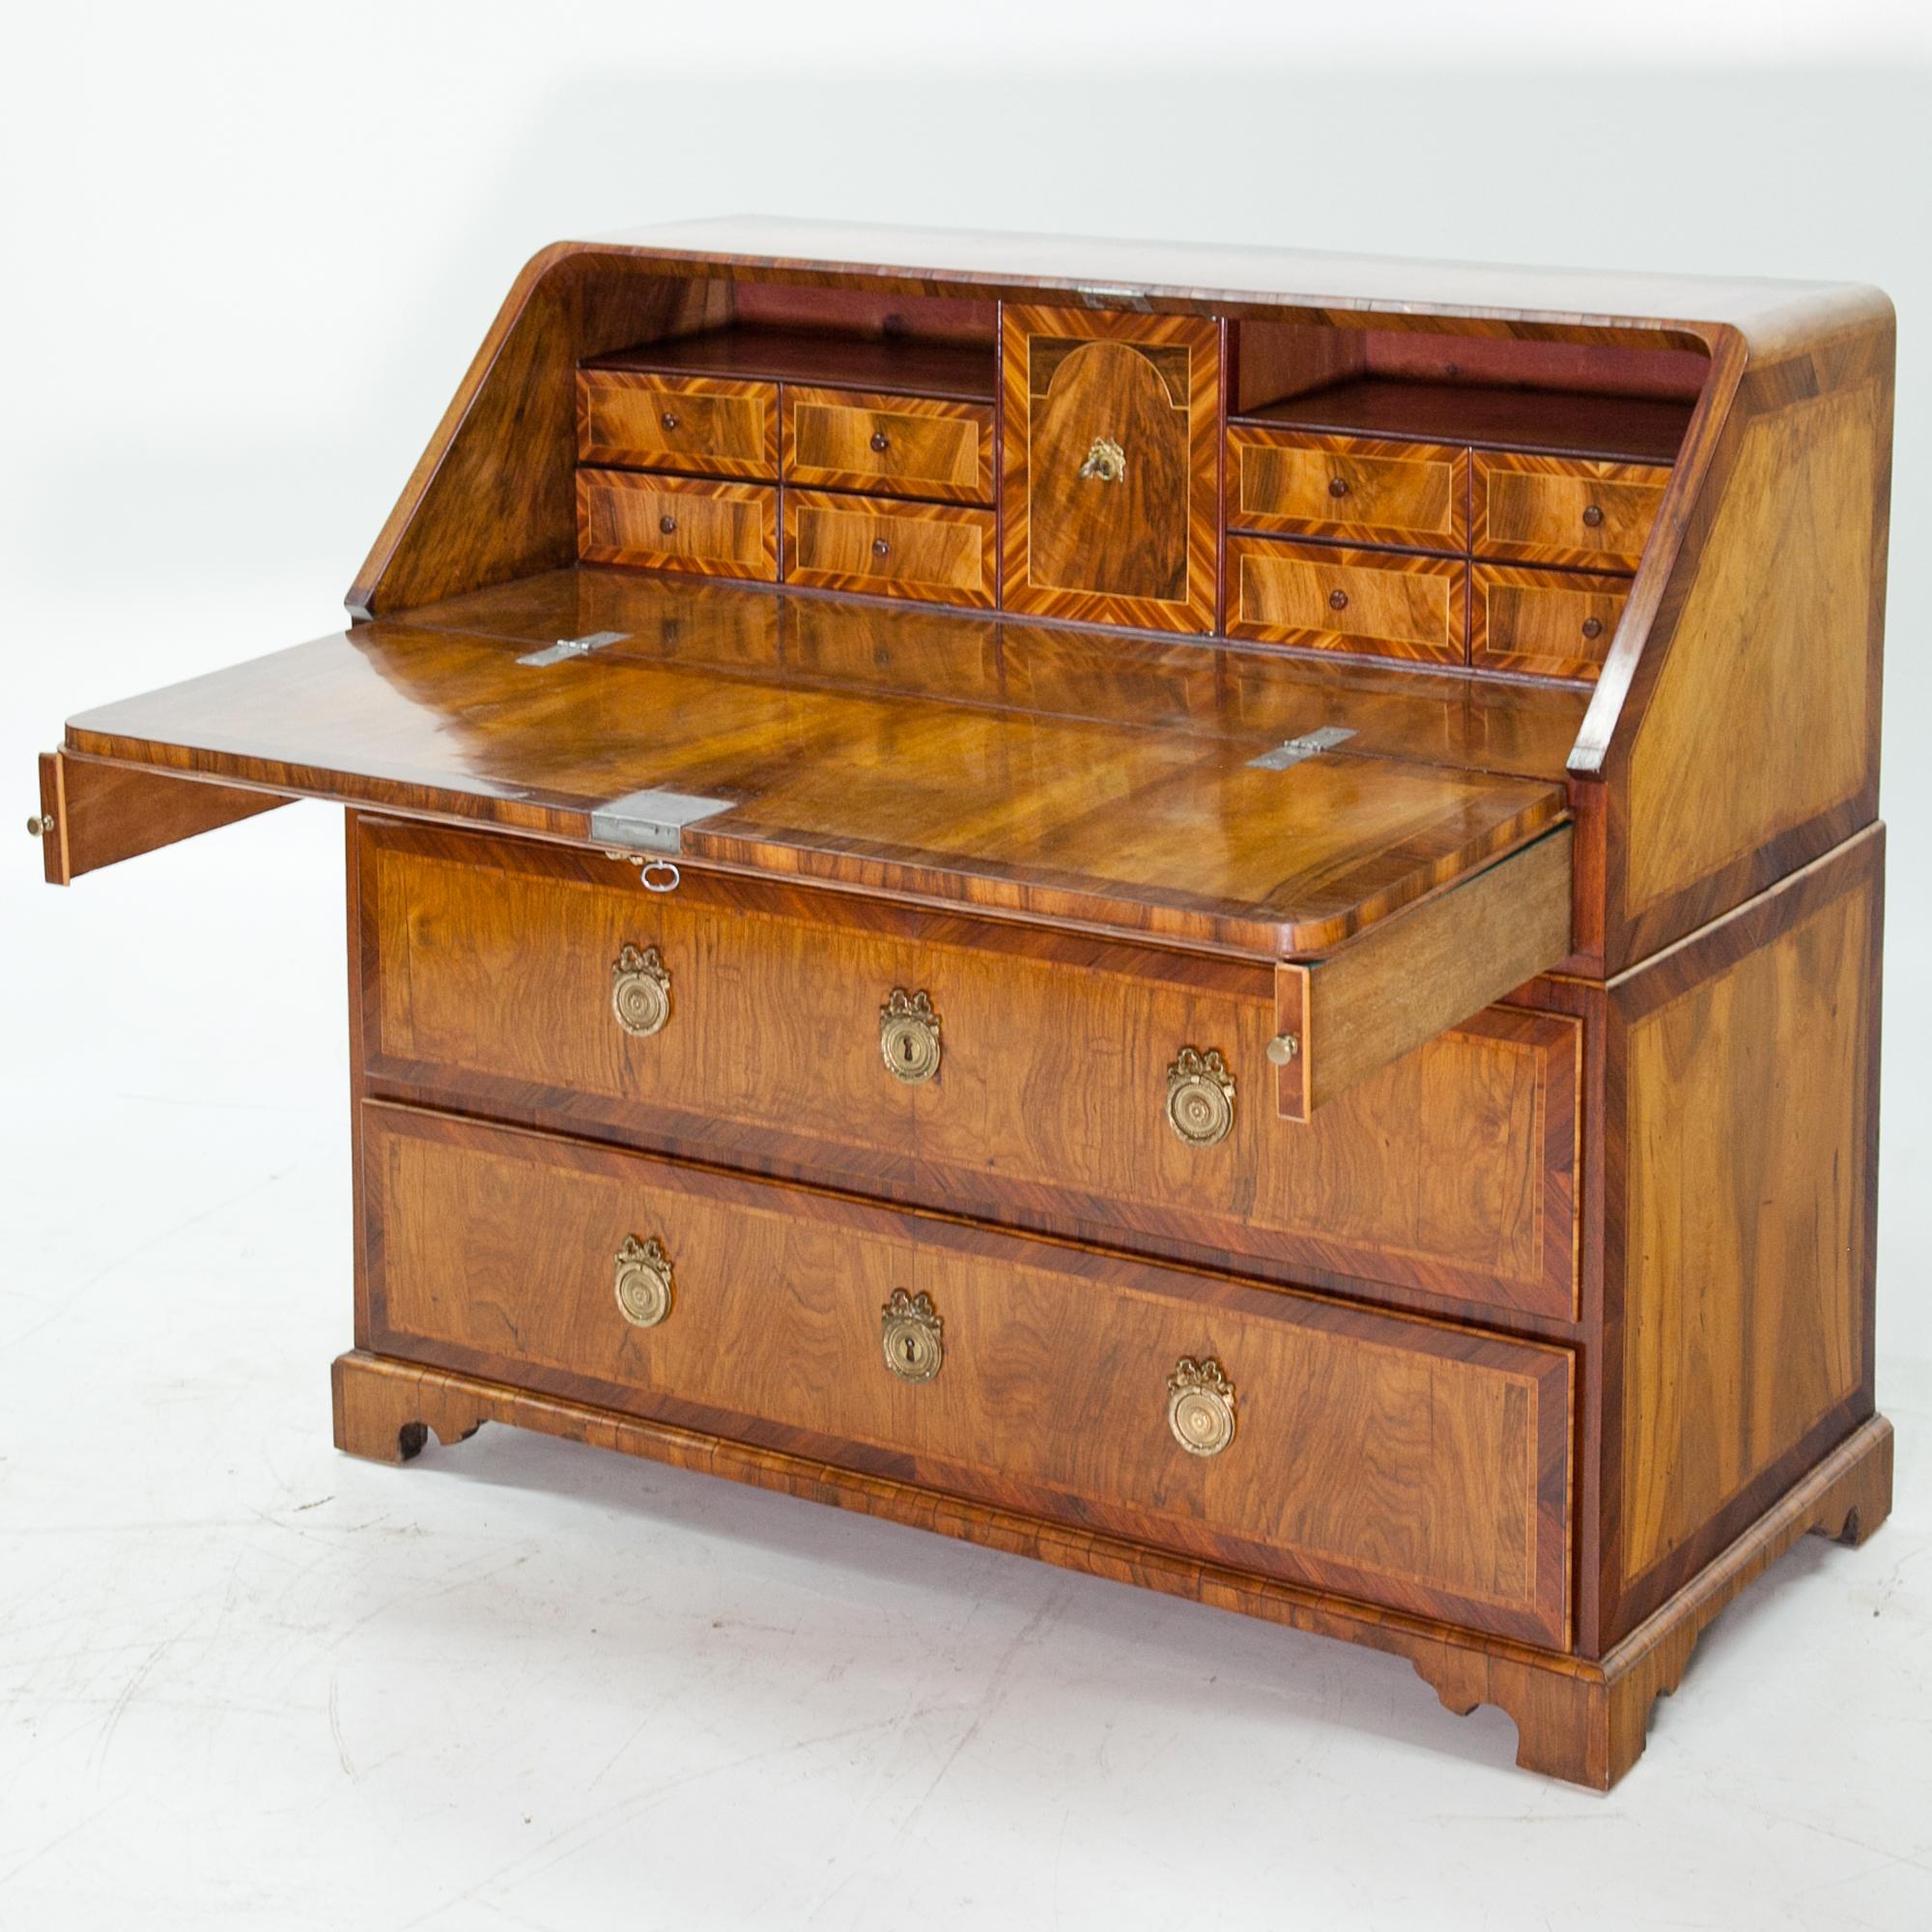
point(1541, 622)
point(899, 445)
point(1347, 599)
point(1111, 465)
point(1552, 510)
point(1414, 494)
point(671, 523)
point(678, 422)
point(940, 552)
point(1401, 1462)
point(491, 981)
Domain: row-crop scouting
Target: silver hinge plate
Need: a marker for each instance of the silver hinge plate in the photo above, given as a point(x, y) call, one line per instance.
point(651, 821)
point(1311, 743)
point(566, 648)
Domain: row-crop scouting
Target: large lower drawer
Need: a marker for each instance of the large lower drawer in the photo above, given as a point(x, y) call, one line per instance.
point(1407, 1462)
point(1117, 1092)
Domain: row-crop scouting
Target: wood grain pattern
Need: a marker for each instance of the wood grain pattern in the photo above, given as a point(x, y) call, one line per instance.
point(486, 976)
point(692, 423)
point(997, 807)
point(846, 358)
point(673, 523)
point(1575, 1720)
point(1551, 509)
point(1402, 1462)
point(1382, 602)
point(1358, 489)
point(1744, 1205)
point(1543, 623)
point(102, 813)
point(943, 552)
point(1142, 549)
point(1431, 967)
point(895, 446)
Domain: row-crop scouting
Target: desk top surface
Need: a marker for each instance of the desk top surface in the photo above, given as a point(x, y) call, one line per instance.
point(1042, 771)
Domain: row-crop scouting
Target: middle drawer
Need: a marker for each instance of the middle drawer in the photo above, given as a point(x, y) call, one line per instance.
point(1029, 1077)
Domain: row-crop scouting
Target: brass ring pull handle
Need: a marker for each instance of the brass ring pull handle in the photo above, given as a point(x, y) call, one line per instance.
point(644, 1282)
point(1201, 1405)
point(1106, 461)
point(909, 1037)
point(640, 991)
point(912, 1336)
point(1200, 1097)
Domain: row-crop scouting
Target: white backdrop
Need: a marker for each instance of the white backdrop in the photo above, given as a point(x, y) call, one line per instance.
point(247, 255)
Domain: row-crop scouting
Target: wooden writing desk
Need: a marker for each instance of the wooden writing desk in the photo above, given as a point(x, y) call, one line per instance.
point(1209, 914)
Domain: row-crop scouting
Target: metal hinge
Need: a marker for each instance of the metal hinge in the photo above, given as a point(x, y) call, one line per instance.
point(573, 647)
point(1311, 743)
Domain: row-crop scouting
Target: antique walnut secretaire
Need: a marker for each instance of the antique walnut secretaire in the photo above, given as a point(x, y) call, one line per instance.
point(1206, 913)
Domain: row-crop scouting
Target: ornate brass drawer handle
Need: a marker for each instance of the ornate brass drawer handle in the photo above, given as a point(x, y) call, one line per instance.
point(912, 1336)
point(644, 1282)
point(640, 991)
point(1200, 1097)
point(909, 1037)
point(1106, 461)
point(1201, 1405)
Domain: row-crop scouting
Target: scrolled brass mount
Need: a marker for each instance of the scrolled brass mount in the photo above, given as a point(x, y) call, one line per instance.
point(909, 1037)
point(912, 1336)
point(1200, 1096)
point(1201, 1405)
point(644, 1282)
point(1106, 461)
point(640, 991)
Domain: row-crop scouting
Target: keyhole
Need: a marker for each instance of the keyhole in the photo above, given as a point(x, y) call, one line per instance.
point(907, 1348)
point(906, 1049)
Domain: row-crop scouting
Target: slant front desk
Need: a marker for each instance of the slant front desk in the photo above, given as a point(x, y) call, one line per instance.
point(1209, 914)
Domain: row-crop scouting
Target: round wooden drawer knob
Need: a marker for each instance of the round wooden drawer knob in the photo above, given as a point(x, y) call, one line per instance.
point(1593, 628)
point(1338, 600)
point(644, 1282)
point(1201, 1405)
point(912, 1337)
point(640, 991)
point(881, 548)
point(667, 524)
point(1593, 517)
point(1338, 486)
point(1200, 1097)
point(881, 441)
point(668, 419)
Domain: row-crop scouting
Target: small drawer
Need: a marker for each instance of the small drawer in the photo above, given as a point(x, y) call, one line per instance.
point(1400, 1461)
point(668, 522)
point(899, 445)
point(632, 421)
point(1553, 510)
point(1413, 494)
point(756, 1026)
point(1347, 600)
point(944, 555)
point(1541, 622)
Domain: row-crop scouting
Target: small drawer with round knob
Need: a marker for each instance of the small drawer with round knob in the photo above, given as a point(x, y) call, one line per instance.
point(1563, 510)
point(1543, 623)
point(926, 447)
point(1378, 603)
point(677, 523)
point(940, 552)
point(629, 418)
point(1355, 489)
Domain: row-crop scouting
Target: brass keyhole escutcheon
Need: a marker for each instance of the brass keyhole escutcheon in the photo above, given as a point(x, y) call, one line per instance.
point(644, 1282)
point(912, 1336)
point(640, 991)
point(1200, 1096)
point(1106, 461)
point(909, 1037)
point(1201, 1405)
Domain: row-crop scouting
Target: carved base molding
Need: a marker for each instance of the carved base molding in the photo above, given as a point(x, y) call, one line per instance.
point(1576, 1719)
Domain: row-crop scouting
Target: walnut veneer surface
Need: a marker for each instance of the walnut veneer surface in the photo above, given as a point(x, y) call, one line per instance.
point(1211, 914)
